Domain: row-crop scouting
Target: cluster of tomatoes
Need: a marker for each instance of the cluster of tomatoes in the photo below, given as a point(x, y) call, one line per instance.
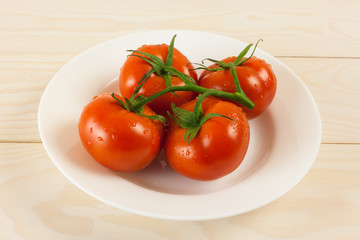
point(200, 122)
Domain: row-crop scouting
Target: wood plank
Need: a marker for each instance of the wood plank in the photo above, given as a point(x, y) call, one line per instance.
point(334, 84)
point(324, 205)
point(37, 202)
point(316, 28)
point(22, 85)
point(319, 40)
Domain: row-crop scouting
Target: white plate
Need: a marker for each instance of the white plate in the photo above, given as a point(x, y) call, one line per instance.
point(284, 140)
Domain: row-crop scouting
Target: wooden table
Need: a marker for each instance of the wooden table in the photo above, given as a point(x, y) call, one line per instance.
point(319, 40)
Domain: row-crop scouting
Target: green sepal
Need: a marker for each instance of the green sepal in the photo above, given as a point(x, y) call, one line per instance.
point(192, 121)
point(158, 68)
point(120, 101)
point(242, 54)
point(184, 117)
point(220, 63)
point(153, 58)
point(169, 56)
point(191, 133)
point(210, 115)
point(138, 109)
point(141, 83)
point(238, 61)
point(198, 113)
point(184, 77)
point(154, 117)
point(128, 105)
point(203, 67)
point(164, 69)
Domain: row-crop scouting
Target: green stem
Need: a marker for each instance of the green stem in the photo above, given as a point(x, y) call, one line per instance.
point(235, 77)
point(239, 90)
point(236, 97)
point(166, 70)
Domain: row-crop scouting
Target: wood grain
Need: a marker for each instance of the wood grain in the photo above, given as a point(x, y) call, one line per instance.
point(37, 202)
point(316, 28)
point(319, 40)
point(335, 85)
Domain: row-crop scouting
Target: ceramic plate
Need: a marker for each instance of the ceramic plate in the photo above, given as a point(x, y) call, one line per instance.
point(284, 141)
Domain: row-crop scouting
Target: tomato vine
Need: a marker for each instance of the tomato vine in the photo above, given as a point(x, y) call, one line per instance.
point(164, 68)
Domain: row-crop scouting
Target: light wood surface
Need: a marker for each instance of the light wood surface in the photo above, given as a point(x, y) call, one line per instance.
point(319, 40)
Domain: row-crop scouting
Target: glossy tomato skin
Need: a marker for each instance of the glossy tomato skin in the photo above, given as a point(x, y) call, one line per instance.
point(134, 69)
point(218, 148)
point(256, 78)
point(119, 139)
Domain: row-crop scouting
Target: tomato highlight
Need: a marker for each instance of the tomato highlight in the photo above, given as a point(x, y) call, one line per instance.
point(217, 149)
point(119, 139)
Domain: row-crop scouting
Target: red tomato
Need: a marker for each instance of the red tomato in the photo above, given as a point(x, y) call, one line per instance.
point(218, 148)
point(135, 68)
point(256, 78)
point(119, 139)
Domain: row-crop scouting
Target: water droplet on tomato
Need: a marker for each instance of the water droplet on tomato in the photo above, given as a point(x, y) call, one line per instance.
point(100, 139)
point(91, 130)
point(133, 124)
point(187, 153)
point(112, 136)
point(89, 143)
point(146, 131)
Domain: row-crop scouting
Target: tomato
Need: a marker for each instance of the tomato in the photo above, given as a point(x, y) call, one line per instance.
point(135, 68)
point(256, 78)
point(117, 138)
point(219, 146)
